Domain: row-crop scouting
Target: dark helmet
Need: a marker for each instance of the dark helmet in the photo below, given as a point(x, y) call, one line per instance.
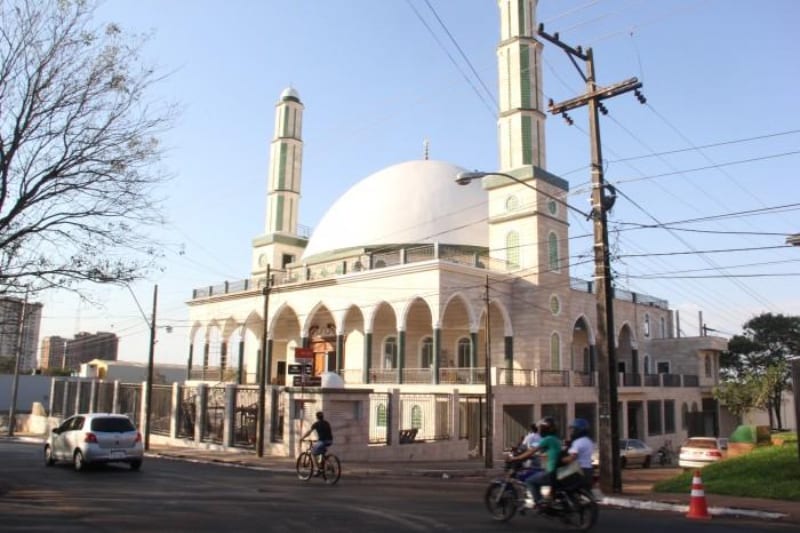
point(580, 425)
point(320, 416)
point(547, 425)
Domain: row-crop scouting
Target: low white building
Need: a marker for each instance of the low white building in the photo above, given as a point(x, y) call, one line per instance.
point(131, 372)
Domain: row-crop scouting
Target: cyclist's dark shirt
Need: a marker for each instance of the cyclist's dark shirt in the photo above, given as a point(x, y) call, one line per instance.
point(323, 430)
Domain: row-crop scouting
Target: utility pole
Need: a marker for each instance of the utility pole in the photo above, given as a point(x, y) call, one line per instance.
point(150, 361)
point(262, 370)
point(12, 411)
point(603, 197)
point(489, 448)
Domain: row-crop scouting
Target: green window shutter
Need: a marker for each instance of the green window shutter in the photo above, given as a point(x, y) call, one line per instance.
point(527, 141)
point(525, 77)
point(279, 213)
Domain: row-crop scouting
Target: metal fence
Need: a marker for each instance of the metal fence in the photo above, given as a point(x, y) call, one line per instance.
point(245, 417)
point(187, 411)
point(105, 397)
point(425, 416)
point(379, 417)
point(215, 415)
point(59, 389)
point(471, 420)
point(130, 401)
point(160, 409)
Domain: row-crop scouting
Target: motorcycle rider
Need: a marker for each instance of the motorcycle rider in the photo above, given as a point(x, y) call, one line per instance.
point(581, 448)
point(549, 445)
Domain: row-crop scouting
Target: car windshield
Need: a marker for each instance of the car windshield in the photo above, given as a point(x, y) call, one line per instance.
point(112, 425)
point(701, 443)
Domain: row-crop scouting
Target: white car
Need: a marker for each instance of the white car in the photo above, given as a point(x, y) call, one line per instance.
point(698, 452)
point(95, 438)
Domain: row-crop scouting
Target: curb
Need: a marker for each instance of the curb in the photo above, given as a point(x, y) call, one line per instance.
point(647, 505)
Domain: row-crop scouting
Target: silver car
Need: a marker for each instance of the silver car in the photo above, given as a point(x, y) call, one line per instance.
point(631, 452)
point(95, 438)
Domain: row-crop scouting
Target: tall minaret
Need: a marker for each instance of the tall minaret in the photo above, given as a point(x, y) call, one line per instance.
point(281, 244)
point(527, 227)
point(521, 122)
point(286, 161)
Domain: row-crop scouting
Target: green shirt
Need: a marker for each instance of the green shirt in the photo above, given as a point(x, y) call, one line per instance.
point(552, 445)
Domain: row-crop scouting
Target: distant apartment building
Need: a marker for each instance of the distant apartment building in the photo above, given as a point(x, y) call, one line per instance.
point(85, 347)
point(53, 353)
point(11, 311)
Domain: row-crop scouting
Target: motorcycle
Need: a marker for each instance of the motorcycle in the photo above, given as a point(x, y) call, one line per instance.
point(664, 455)
point(572, 501)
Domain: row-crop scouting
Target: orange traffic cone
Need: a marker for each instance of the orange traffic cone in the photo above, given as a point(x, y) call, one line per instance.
point(697, 504)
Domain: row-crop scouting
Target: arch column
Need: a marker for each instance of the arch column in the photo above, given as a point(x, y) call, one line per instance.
point(437, 354)
point(339, 352)
point(401, 354)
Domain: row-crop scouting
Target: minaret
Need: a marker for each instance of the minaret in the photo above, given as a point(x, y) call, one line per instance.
point(521, 122)
point(281, 244)
point(286, 162)
point(526, 226)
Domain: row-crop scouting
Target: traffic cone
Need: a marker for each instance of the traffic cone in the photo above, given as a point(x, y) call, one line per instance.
point(697, 504)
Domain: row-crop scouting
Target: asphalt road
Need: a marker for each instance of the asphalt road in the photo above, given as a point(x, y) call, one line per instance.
point(170, 495)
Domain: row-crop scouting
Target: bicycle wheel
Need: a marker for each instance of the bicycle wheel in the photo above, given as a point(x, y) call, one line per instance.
point(305, 466)
point(331, 469)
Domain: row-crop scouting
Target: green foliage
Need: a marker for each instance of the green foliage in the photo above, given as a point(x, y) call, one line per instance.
point(755, 369)
point(766, 472)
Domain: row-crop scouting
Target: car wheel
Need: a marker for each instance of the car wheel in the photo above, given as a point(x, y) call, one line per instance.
point(136, 465)
point(49, 460)
point(646, 463)
point(623, 462)
point(78, 462)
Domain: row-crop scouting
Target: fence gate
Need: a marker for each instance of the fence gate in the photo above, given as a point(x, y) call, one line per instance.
point(161, 410)
point(130, 401)
point(472, 414)
point(245, 415)
point(215, 415)
point(187, 411)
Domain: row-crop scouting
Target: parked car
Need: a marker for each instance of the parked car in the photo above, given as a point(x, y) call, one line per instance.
point(698, 452)
point(95, 438)
point(631, 452)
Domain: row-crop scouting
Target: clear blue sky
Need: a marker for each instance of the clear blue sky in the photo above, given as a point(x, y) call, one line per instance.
point(376, 83)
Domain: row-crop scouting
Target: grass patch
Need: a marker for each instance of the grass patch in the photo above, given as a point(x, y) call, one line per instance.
point(771, 472)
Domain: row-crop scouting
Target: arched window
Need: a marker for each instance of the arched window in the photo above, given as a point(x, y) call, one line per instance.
point(646, 325)
point(416, 417)
point(555, 352)
point(512, 203)
point(646, 365)
point(663, 328)
point(512, 250)
point(587, 362)
point(426, 353)
point(390, 353)
point(380, 417)
point(708, 366)
point(552, 248)
point(464, 359)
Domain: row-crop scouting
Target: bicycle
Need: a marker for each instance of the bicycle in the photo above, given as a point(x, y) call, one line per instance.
point(330, 468)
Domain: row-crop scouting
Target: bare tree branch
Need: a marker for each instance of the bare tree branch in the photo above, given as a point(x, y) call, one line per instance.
point(79, 149)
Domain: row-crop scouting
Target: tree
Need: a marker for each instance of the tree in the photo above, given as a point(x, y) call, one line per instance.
point(79, 149)
point(757, 363)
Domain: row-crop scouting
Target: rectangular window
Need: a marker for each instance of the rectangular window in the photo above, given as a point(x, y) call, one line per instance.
point(662, 367)
point(669, 416)
point(654, 426)
point(527, 141)
point(525, 78)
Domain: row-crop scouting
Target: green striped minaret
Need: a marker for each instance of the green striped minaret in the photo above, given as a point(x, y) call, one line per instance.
point(520, 125)
point(286, 160)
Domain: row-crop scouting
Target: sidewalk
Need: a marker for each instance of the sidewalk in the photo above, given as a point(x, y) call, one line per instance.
point(637, 483)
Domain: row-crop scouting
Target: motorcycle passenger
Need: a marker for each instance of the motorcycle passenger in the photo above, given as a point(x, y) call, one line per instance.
point(549, 445)
point(581, 448)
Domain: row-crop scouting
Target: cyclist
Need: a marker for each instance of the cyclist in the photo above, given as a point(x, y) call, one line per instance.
point(581, 448)
point(324, 437)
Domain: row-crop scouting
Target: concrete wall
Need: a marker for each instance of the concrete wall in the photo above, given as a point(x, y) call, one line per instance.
point(30, 389)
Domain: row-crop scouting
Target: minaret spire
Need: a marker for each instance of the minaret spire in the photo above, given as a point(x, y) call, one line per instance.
point(519, 54)
point(286, 162)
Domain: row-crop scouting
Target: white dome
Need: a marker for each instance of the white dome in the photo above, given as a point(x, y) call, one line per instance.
point(290, 93)
point(412, 202)
point(332, 380)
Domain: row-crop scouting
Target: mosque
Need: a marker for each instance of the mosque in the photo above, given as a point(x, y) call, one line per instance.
point(460, 285)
